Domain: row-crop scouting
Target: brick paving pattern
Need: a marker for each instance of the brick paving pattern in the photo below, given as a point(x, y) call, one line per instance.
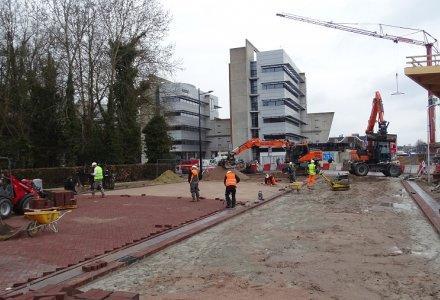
point(96, 226)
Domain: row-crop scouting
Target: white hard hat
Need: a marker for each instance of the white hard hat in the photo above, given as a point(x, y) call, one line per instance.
point(194, 167)
point(94, 164)
point(312, 161)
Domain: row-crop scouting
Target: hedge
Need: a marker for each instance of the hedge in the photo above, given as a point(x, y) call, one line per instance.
point(55, 177)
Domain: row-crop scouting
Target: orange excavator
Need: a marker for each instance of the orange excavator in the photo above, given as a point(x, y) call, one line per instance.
point(377, 156)
point(296, 153)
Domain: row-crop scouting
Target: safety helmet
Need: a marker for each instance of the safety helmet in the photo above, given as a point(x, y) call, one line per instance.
point(194, 167)
point(312, 161)
point(94, 164)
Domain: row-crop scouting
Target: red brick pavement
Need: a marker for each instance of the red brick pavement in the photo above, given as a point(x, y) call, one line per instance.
point(96, 226)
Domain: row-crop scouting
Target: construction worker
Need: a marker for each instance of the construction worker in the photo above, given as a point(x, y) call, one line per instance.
point(311, 170)
point(291, 171)
point(193, 180)
point(269, 179)
point(230, 181)
point(98, 176)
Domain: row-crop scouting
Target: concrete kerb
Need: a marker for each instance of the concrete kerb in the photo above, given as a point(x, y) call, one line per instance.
point(432, 216)
point(82, 278)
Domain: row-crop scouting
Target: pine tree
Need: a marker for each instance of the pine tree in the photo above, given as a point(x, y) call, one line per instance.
point(158, 143)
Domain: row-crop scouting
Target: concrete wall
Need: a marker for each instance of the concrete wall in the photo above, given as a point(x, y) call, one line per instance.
point(239, 95)
point(318, 126)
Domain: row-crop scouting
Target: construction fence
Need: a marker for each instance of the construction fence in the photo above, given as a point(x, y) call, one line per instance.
point(55, 177)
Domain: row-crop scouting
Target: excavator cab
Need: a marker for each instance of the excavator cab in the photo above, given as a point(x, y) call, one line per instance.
point(294, 152)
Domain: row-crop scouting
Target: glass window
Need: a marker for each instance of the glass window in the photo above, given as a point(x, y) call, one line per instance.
point(254, 88)
point(254, 119)
point(254, 103)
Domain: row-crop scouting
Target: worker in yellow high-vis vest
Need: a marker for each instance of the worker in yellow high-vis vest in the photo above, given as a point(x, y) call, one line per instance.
point(311, 170)
point(98, 176)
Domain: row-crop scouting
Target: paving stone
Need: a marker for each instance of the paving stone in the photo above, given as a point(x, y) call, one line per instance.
point(96, 226)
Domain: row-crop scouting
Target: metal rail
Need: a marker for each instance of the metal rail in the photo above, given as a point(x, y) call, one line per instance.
point(423, 60)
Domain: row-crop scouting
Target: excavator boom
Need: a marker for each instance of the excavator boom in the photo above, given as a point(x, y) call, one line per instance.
point(256, 142)
point(377, 113)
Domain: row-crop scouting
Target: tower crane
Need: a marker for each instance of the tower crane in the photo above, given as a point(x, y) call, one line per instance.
point(428, 41)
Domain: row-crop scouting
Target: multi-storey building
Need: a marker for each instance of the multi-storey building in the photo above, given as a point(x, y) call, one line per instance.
point(268, 100)
point(180, 102)
point(219, 137)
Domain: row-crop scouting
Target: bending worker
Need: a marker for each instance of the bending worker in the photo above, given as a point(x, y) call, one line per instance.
point(230, 182)
point(193, 180)
point(97, 180)
point(311, 170)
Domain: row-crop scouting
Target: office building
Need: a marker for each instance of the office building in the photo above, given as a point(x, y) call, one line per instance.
point(268, 100)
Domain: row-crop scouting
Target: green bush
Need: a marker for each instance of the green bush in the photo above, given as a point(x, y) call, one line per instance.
point(55, 177)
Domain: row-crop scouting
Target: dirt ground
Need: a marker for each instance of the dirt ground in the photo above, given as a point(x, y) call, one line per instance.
point(246, 191)
point(370, 242)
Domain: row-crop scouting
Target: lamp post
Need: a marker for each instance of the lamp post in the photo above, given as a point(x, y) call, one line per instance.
point(433, 102)
point(200, 128)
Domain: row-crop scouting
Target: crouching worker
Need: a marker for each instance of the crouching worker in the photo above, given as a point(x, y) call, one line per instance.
point(193, 180)
point(270, 179)
point(230, 182)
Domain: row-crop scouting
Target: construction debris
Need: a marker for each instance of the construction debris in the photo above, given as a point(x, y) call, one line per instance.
point(168, 177)
point(218, 173)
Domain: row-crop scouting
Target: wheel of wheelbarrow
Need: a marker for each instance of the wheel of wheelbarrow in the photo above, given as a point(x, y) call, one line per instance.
point(32, 229)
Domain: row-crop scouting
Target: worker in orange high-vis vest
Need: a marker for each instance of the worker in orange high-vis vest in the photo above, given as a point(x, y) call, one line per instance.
point(230, 181)
point(193, 180)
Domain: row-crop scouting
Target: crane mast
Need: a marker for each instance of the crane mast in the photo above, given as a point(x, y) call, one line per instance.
point(429, 42)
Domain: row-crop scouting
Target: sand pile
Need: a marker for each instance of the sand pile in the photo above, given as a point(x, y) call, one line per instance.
point(168, 177)
point(218, 173)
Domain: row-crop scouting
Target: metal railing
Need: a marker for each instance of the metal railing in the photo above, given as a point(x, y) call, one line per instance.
point(422, 60)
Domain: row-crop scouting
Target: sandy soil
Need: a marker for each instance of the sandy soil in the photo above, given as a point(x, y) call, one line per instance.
point(246, 191)
point(370, 242)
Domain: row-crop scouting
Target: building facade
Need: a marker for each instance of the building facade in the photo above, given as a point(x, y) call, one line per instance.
point(219, 137)
point(180, 103)
point(268, 100)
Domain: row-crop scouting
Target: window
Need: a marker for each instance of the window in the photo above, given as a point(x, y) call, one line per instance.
point(255, 133)
point(283, 84)
point(254, 119)
point(288, 120)
point(253, 66)
point(272, 85)
point(280, 102)
point(287, 68)
point(254, 103)
point(272, 69)
point(254, 88)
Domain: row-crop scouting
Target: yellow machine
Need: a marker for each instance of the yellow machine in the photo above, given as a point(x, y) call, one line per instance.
point(336, 185)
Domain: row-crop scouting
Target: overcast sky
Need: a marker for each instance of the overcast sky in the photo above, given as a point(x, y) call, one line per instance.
point(343, 69)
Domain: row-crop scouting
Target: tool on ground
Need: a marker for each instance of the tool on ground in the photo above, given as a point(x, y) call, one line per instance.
point(43, 220)
point(336, 185)
point(296, 185)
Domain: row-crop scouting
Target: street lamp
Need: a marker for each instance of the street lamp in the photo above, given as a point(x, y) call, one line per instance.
point(200, 128)
point(428, 154)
